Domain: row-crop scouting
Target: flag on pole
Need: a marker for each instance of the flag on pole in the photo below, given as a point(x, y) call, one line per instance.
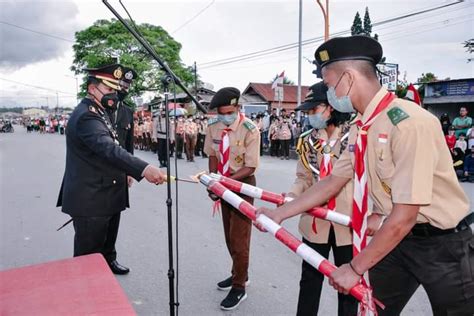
point(412, 94)
point(278, 82)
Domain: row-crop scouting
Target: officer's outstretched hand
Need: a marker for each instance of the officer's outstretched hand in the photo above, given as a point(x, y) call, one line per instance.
point(154, 175)
point(272, 214)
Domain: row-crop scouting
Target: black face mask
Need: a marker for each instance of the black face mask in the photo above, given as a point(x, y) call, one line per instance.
point(109, 100)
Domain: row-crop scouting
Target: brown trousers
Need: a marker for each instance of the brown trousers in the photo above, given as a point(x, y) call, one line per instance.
point(237, 230)
point(190, 144)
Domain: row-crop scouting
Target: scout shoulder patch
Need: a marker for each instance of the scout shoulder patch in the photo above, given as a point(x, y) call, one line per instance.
point(396, 115)
point(249, 125)
point(212, 121)
point(303, 135)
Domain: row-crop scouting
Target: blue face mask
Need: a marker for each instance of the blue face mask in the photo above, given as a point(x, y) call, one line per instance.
point(317, 121)
point(342, 104)
point(227, 119)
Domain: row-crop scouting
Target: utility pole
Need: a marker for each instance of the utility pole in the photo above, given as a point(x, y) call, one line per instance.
point(300, 31)
point(325, 11)
point(195, 80)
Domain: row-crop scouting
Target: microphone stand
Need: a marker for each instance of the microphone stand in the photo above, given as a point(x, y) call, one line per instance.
point(168, 78)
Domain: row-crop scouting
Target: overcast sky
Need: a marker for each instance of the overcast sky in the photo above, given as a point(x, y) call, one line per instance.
point(430, 42)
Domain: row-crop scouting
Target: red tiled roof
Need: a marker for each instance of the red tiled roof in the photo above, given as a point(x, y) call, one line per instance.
point(265, 91)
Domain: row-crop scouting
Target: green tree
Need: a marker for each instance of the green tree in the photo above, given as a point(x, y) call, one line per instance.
point(286, 80)
point(469, 45)
point(425, 78)
point(357, 25)
point(106, 40)
point(367, 23)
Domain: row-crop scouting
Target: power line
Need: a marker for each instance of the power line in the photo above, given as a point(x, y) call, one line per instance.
point(314, 40)
point(37, 32)
point(36, 87)
point(386, 37)
point(194, 17)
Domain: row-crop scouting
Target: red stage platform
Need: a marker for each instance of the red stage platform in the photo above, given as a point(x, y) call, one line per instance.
point(77, 286)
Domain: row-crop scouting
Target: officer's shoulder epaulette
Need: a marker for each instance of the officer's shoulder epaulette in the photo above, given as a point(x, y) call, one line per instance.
point(396, 115)
point(303, 135)
point(212, 121)
point(249, 125)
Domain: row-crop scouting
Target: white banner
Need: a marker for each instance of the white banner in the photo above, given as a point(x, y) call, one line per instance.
point(389, 76)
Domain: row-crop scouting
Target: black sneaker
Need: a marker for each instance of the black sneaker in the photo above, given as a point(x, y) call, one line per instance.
point(233, 299)
point(226, 284)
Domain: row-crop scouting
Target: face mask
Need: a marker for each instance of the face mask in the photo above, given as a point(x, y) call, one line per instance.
point(317, 121)
point(109, 100)
point(227, 119)
point(342, 104)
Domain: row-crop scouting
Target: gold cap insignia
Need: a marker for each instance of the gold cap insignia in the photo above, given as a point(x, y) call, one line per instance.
point(118, 73)
point(324, 55)
point(233, 101)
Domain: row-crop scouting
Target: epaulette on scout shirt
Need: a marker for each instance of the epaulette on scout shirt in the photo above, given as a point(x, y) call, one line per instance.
point(250, 126)
point(212, 121)
point(396, 115)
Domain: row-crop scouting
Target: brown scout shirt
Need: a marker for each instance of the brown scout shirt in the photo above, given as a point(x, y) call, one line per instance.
point(244, 142)
point(408, 162)
point(305, 179)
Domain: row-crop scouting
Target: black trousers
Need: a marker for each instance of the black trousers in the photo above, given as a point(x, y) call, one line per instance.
point(179, 145)
point(285, 147)
point(311, 282)
point(162, 151)
point(443, 265)
point(275, 147)
point(200, 145)
point(96, 235)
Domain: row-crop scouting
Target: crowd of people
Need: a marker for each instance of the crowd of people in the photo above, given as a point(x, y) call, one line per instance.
point(460, 140)
point(46, 125)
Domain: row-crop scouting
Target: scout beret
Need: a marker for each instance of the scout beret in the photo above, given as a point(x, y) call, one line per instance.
point(357, 47)
point(128, 76)
point(315, 96)
point(225, 96)
point(110, 75)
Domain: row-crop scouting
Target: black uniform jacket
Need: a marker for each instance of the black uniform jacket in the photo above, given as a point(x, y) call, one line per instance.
point(124, 126)
point(95, 179)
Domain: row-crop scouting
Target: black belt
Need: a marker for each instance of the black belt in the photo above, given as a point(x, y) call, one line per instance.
point(427, 230)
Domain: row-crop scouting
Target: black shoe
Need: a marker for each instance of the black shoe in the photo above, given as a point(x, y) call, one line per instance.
point(226, 284)
point(233, 299)
point(117, 268)
point(204, 156)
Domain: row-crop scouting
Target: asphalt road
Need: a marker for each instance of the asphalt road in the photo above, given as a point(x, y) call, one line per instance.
point(31, 168)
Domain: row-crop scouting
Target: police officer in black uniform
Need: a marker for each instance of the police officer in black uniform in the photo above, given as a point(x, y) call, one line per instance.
point(94, 188)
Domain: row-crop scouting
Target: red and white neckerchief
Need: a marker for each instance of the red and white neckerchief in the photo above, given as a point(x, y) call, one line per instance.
point(325, 169)
point(223, 166)
point(359, 205)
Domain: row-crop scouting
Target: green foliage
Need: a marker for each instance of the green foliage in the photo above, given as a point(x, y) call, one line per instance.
point(367, 23)
point(357, 25)
point(428, 77)
point(469, 46)
point(105, 40)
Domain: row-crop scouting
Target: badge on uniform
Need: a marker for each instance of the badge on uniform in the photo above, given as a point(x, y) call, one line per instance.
point(216, 141)
point(327, 149)
point(238, 159)
point(351, 148)
point(383, 138)
point(128, 126)
point(92, 109)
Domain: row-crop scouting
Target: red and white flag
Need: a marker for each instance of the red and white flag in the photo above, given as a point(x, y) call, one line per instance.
point(413, 95)
point(278, 82)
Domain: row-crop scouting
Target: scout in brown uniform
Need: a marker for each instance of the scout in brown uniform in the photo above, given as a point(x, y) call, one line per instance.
point(190, 134)
point(427, 236)
point(329, 129)
point(180, 137)
point(244, 143)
